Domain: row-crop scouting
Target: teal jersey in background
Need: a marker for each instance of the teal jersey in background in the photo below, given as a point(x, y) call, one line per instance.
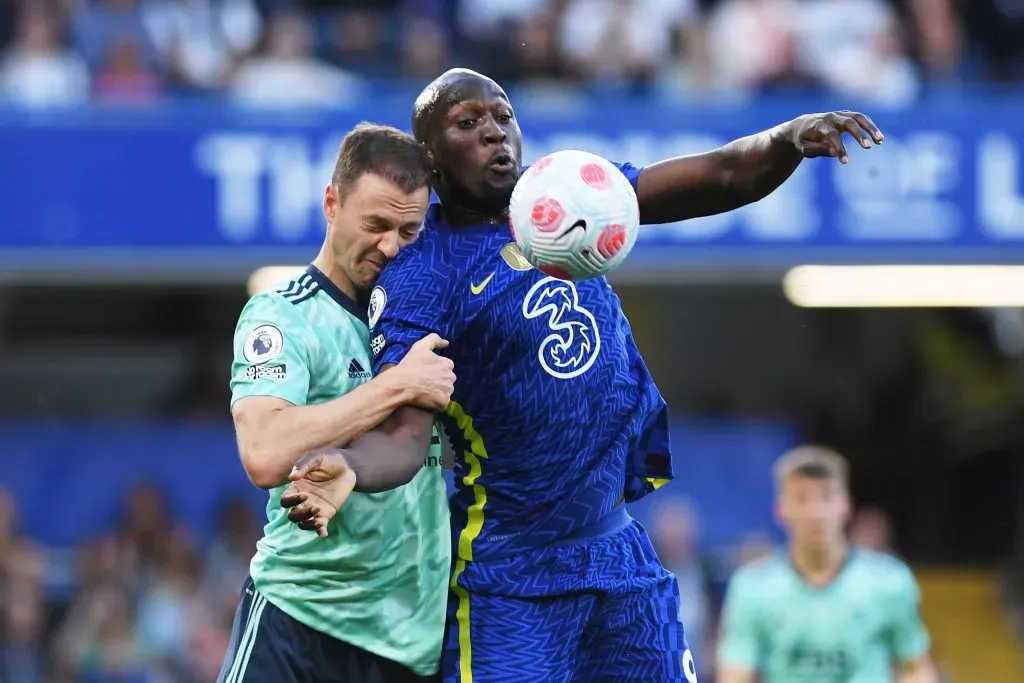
point(855, 630)
point(379, 580)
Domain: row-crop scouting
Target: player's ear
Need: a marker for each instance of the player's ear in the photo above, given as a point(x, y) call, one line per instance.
point(777, 512)
point(430, 156)
point(330, 204)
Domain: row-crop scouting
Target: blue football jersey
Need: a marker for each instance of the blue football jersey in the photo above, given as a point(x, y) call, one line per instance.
point(555, 419)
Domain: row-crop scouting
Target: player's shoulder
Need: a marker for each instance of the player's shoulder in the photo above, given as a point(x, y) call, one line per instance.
point(286, 309)
point(283, 300)
point(630, 170)
point(883, 569)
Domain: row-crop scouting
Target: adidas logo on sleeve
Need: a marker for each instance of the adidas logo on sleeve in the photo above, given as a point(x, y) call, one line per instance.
point(357, 371)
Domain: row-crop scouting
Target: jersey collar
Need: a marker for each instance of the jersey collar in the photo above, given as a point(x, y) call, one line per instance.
point(339, 296)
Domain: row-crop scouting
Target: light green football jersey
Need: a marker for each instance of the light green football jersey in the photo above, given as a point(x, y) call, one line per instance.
point(379, 580)
point(855, 630)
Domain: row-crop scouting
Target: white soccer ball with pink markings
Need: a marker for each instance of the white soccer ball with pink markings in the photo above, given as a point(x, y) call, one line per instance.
point(574, 215)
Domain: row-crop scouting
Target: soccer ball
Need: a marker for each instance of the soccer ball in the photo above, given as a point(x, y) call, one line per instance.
point(574, 215)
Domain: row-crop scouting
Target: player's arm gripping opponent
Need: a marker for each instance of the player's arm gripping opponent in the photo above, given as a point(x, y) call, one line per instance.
point(377, 460)
point(746, 170)
point(273, 433)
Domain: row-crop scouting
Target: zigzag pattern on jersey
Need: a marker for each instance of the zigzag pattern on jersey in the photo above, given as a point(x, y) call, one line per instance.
point(557, 448)
point(300, 289)
point(611, 613)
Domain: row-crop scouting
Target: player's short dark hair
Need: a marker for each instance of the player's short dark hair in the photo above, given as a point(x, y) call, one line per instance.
point(813, 462)
point(384, 151)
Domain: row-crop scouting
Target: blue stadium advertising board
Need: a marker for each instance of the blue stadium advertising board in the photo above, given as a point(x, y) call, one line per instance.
point(204, 187)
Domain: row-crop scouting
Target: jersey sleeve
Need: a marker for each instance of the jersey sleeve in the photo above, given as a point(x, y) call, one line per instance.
point(271, 352)
point(910, 640)
point(408, 303)
point(740, 644)
point(631, 172)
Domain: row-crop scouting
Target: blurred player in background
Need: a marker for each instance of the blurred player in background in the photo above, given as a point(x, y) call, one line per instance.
point(365, 604)
point(822, 612)
point(553, 580)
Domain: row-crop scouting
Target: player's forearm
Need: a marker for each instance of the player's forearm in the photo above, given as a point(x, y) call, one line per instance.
point(388, 458)
point(287, 434)
point(759, 164)
point(740, 173)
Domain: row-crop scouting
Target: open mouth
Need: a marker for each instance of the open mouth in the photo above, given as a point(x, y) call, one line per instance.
point(501, 163)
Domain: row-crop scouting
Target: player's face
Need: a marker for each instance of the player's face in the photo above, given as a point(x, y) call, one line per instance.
point(814, 510)
point(479, 147)
point(369, 226)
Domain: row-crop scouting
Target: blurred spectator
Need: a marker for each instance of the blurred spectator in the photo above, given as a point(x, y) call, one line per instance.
point(674, 534)
point(21, 656)
point(997, 29)
point(140, 541)
point(124, 76)
point(871, 529)
point(753, 44)
point(21, 613)
point(171, 603)
point(492, 33)
point(939, 34)
point(629, 40)
point(359, 35)
point(106, 28)
point(37, 71)
point(856, 48)
point(535, 51)
point(229, 553)
point(288, 75)
point(200, 42)
point(97, 643)
point(424, 49)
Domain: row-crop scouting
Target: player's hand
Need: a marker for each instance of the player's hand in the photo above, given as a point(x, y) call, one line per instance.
point(821, 135)
point(429, 375)
point(321, 483)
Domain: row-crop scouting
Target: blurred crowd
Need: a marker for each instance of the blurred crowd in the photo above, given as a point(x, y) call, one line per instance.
point(147, 603)
point(144, 603)
point(327, 52)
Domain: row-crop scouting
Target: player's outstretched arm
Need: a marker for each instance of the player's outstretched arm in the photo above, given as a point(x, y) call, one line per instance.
point(746, 170)
point(273, 434)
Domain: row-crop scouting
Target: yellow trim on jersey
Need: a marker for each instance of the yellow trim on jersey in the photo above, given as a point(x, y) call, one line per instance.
point(476, 452)
point(474, 525)
point(462, 619)
point(656, 483)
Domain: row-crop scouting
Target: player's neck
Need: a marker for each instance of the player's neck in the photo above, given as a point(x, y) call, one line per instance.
point(819, 564)
point(462, 216)
point(326, 265)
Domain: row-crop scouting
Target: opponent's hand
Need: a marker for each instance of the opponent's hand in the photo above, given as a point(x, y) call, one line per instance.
point(430, 376)
point(821, 135)
point(321, 483)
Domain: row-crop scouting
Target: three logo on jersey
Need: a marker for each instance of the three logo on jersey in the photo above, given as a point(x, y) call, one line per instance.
point(574, 342)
